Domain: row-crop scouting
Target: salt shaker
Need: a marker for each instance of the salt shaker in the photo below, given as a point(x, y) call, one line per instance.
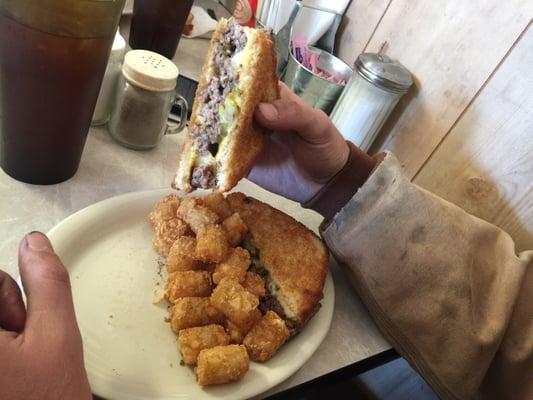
point(376, 86)
point(144, 97)
point(104, 104)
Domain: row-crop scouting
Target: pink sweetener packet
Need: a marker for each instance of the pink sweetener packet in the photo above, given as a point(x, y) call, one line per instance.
point(313, 62)
point(331, 78)
point(309, 59)
point(299, 49)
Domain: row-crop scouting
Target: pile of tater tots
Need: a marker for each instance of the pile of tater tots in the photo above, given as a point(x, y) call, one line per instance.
point(214, 296)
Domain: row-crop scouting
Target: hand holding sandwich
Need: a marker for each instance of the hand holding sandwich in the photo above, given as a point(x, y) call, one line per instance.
point(306, 157)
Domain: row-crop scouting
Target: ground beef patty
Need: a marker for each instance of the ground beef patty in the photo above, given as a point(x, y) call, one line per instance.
point(269, 301)
point(232, 41)
point(202, 177)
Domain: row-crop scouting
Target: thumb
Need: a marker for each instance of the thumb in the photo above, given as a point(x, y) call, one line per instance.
point(46, 284)
point(291, 115)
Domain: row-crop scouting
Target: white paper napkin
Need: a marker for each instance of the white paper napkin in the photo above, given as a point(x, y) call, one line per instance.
point(203, 24)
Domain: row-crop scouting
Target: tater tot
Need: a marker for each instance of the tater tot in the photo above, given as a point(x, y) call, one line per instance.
point(166, 233)
point(211, 244)
point(195, 214)
point(193, 340)
point(238, 331)
point(217, 202)
point(222, 364)
point(236, 335)
point(234, 265)
point(182, 255)
point(235, 228)
point(164, 210)
point(189, 312)
point(247, 324)
point(188, 284)
point(266, 337)
point(253, 283)
point(235, 302)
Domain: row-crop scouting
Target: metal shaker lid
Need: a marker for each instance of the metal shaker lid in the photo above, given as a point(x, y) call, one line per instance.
point(384, 72)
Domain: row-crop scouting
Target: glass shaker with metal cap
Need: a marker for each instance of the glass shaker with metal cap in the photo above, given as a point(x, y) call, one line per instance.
point(373, 91)
point(144, 98)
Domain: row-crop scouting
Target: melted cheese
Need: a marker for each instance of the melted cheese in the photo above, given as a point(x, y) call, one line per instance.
point(229, 110)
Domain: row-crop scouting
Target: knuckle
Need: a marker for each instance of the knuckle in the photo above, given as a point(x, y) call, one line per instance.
point(315, 121)
point(292, 108)
point(321, 115)
point(5, 278)
point(8, 286)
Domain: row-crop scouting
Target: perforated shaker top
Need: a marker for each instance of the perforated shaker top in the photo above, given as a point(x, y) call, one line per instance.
point(150, 71)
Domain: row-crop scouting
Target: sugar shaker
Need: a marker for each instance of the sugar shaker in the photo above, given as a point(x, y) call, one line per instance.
point(376, 86)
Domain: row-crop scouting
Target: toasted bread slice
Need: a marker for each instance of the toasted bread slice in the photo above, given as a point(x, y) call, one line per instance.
point(219, 163)
point(292, 260)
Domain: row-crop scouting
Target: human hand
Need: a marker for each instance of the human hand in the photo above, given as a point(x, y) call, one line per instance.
point(41, 355)
point(303, 153)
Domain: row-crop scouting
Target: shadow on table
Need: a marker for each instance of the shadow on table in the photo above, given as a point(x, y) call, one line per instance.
point(338, 384)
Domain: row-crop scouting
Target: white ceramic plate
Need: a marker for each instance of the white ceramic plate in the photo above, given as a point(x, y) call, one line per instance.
point(130, 351)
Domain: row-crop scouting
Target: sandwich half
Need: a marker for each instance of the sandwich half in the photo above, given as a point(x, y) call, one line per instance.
point(223, 140)
point(290, 258)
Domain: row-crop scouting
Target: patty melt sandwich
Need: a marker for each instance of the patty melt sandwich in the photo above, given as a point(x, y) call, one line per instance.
point(290, 258)
point(223, 140)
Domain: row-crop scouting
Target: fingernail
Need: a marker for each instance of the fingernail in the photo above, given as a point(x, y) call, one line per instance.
point(269, 111)
point(37, 241)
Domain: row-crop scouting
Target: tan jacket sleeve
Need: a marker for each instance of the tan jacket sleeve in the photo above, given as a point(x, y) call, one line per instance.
point(446, 289)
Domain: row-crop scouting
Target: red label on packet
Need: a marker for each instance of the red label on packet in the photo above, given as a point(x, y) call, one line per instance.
point(245, 11)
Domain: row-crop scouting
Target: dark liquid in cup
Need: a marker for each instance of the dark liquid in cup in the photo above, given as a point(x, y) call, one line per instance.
point(157, 25)
point(48, 90)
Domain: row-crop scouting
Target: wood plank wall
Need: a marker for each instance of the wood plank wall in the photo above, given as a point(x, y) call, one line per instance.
point(465, 130)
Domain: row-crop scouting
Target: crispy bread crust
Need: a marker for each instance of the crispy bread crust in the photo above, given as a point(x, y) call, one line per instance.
point(258, 83)
point(296, 259)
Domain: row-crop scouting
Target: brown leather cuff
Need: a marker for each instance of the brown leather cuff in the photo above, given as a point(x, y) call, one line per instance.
point(342, 187)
